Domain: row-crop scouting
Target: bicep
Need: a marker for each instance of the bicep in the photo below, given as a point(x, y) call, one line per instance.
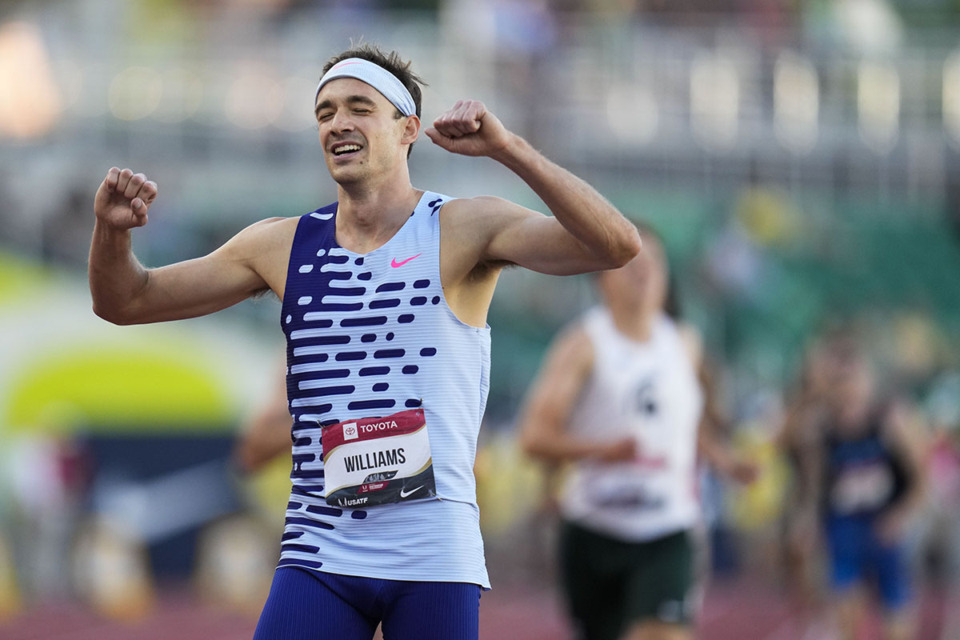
point(197, 287)
point(204, 285)
point(530, 239)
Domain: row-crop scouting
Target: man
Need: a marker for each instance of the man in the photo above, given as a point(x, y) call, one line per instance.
point(387, 345)
point(860, 465)
point(620, 399)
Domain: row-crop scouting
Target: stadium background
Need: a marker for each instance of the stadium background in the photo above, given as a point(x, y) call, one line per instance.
point(801, 159)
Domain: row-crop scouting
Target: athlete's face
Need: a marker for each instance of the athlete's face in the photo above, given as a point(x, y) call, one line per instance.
point(360, 131)
point(642, 282)
point(849, 377)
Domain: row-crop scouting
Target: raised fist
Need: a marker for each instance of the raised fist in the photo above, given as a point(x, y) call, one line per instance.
point(468, 128)
point(123, 199)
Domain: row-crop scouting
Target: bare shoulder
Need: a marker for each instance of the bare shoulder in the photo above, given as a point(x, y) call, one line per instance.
point(482, 210)
point(573, 348)
point(480, 205)
point(262, 237)
point(472, 223)
point(692, 341)
point(276, 228)
point(903, 423)
point(467, 226)
point(277, 222)
point(264, 248)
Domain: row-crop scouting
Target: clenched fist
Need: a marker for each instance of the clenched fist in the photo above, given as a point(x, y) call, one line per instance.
point(470, 130)
point(123, 199)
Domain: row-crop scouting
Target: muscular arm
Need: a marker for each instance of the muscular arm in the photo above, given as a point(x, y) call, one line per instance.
point(586, 232)
point(544, 418)
point(905, 433)
point(125, 292)
point(712, 441)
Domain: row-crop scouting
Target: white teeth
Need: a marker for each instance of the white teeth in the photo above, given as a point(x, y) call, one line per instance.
point(347, 148)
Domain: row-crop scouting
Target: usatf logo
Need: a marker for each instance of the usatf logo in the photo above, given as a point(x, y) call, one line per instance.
point(350, 431)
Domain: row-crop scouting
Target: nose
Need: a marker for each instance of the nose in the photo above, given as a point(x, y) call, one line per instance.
point(341, 121)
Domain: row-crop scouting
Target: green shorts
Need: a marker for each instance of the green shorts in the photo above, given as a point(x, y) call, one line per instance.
point(610, 584)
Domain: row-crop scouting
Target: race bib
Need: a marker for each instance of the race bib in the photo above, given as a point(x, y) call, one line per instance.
point(378, 460)
point(862, 488)
point(624, 492)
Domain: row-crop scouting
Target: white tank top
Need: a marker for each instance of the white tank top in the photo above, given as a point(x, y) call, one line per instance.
point(369, 336)
point(648, 391)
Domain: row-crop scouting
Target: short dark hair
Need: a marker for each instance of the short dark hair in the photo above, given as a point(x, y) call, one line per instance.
point(392, 62)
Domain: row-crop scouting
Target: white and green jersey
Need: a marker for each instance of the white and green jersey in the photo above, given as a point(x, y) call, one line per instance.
point(649, 391)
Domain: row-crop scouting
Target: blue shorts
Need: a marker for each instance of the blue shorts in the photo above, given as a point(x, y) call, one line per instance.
point(311, 605)
point(857, 556)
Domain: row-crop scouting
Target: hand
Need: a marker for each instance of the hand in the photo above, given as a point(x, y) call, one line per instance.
point(622, 450)
point(744, 472)
point(470, 130)
point(123, 199)
point(892, 526)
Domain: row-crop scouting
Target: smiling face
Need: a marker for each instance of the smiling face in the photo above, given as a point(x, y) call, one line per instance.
point(361, 133)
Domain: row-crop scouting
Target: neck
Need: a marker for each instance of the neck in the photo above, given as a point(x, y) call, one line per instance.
point(853, 413)
point(368, 215)
point(634, 323)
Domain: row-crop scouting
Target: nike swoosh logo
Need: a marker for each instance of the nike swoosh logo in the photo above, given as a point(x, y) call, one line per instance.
point(403, 492)
point(395, 264)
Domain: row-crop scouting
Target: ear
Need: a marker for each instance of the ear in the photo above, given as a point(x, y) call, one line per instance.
point(411, 130)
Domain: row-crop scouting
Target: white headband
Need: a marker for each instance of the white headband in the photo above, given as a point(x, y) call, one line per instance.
point(375, 76)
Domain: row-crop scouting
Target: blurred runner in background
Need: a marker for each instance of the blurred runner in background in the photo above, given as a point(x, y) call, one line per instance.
point(621, 398)
point(860, 461)
point(802, 546)
point(266, 434)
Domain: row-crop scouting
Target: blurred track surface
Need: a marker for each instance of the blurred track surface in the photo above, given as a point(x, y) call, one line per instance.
point(736, 610)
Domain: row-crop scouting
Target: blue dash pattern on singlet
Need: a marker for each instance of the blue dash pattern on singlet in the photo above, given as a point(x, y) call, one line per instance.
point(368, 336)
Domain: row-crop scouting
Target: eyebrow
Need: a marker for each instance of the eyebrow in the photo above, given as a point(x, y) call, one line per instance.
point(351, 100)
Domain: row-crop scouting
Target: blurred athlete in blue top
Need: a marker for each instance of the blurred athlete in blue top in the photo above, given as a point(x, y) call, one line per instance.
point(861, 471)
